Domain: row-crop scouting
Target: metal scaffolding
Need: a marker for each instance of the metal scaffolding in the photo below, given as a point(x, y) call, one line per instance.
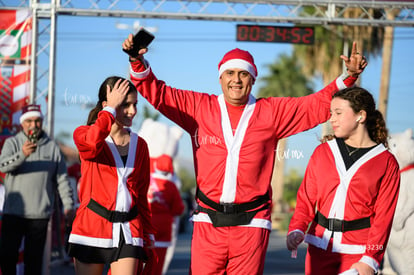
point(291, 11)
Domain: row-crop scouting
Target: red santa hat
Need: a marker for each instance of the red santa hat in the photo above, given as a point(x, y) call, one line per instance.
point(164, 163)
point(238, 59)
point(31, 110)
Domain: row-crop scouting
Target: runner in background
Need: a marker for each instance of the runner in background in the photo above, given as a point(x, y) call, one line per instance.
point(166, 204)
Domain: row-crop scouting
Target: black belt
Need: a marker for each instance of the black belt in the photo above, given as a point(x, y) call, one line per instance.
point(337, 225)
point(232, 214)
point(232, 208)
point(112, 216)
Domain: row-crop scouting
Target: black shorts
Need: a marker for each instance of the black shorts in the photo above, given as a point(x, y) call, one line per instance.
point(98, 255)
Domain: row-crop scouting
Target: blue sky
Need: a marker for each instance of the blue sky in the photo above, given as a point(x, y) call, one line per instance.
point(185, 54)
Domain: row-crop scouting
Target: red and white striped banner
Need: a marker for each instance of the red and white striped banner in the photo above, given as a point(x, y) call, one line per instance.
point(15, 34)
point(14, 94)
point(15, 48)
point(15, 44)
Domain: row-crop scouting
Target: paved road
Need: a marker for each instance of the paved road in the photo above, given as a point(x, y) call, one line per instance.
point(278, 261)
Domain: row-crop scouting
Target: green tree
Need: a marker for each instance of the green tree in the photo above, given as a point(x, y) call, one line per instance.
point(286, 78)
point(293, 180)
point(188, 181)
point(322, 58)
point(148, 113)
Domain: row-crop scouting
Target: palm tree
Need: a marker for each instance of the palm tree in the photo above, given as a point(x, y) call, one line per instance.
point(322, 59)
point(149, 113)
point(285, 79)
point(386, 63)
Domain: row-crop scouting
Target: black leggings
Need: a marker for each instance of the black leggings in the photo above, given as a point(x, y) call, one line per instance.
point(13, 230)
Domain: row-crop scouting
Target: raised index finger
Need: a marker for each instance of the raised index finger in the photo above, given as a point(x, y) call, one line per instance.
point(354, 48)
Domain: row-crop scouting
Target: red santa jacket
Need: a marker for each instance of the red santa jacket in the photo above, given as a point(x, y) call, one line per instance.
point(105, 180)
point(234, 168)
point(166, 203)
point(369, 188)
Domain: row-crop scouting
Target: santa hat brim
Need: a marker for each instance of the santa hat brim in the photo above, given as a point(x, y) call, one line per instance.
point(238, 64)
point(26, 115)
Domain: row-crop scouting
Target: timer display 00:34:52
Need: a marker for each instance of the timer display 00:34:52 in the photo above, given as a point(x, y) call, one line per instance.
point(261, 33)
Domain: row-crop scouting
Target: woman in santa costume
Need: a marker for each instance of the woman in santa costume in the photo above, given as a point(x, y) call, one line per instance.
point(349, 192)
point(234, 139)
point(113, 220)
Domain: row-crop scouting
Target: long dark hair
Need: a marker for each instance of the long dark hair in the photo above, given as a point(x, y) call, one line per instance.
point(93, 114)
point(360, 99)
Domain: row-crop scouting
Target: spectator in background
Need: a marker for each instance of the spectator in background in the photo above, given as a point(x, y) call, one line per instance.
point(35, 168)
point(166, 203)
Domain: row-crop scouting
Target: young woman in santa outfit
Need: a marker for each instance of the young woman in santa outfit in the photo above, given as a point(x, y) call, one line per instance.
point(349, 192)
point(113, 221)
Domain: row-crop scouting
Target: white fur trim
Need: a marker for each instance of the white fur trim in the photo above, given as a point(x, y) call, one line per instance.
point(159, 175)
point(296, 230)
point(371, 262)
point(140, 75)
point(239, 64)
point(100, 242)
point(233, 145)
point(123, 197)
point(30, 114)
point(340, 81)
point(162, 244)
point(110, 109)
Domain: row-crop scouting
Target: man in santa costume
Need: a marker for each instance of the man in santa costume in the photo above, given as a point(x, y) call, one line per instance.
point(234, 138)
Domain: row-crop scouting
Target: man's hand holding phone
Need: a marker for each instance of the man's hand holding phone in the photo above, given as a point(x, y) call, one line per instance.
point(28, 148)
point(30, 145)
point(136, 45)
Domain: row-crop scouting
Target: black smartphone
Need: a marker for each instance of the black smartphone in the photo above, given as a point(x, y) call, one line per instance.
point(141, 40)
point(33, 135)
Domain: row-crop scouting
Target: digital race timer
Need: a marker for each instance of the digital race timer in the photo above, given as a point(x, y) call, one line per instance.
point(260, 33)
